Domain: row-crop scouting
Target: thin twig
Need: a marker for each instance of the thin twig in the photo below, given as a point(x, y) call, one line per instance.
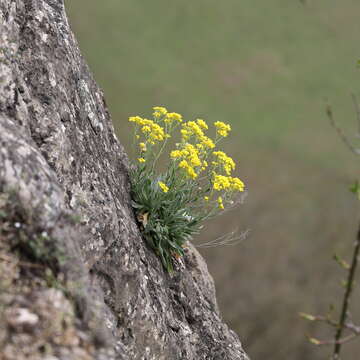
point(339, 131)
point(353, 328)
point(321, 318)
point(346, 300)
point(349, 325)
point(228, 239)
point(357, 109)
point(337, 342)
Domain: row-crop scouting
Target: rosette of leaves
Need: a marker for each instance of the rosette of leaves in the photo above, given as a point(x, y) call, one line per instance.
point(165, 218)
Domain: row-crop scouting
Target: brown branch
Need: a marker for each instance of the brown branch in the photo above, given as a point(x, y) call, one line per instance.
point(346, 300)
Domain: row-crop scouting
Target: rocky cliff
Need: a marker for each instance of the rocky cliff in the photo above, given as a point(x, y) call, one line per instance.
point(76, 279)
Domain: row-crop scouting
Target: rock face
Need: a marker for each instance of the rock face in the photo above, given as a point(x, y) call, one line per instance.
point(64, 191)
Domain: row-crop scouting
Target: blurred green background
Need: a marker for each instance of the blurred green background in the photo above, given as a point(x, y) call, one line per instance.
point(266, 67)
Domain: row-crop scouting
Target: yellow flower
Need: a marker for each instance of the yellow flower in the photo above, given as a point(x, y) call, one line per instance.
point(141, 160)
point(207, 142)
point(170, 117)
point(136, 119)
point(146, 129)
point(185, 134)
point(194, 160)
point(191, 128)
point(175, 154)
point(157, 132)
point(189, 149)
point(227, 183)
point(183, 164)
point(152, 130)
point(189, 154)
point(202, 124)
point(222, 128)
point(159, 111)
point(191, 172)
point(142, 146)
point(236, 184)
point(195, 128)
point(189, 169)
point(220, 202)
point(206, 198)
point(221, 182)
point(225, 161)
point(163, 187)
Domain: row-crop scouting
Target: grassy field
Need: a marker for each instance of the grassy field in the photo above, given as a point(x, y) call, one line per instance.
point(267, 68)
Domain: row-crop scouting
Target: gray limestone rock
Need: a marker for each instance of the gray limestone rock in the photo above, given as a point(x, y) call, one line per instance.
point(60, 156)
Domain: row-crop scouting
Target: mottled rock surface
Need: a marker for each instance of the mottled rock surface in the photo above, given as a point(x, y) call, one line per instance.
point(59, 157)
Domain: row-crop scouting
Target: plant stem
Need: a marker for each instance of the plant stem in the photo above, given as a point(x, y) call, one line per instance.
point(339, 131)
point(345, 305)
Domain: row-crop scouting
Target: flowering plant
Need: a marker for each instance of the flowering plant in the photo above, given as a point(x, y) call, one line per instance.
point(196, 184)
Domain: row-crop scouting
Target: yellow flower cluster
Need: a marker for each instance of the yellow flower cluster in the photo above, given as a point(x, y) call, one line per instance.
point(163, 187)
point(222, 182)
point(222, 128)
point(159, 111)
point(191, 155)
point(152, 131)
point(192, 128)
point(183, 164)
point(226, 162)
point(202, 124)
point(227, 183)
point(170, 117)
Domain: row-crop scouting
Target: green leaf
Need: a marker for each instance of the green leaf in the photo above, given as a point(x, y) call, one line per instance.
point(314, 340)
point(307, 316)
point(341, 262)
point(355, 188)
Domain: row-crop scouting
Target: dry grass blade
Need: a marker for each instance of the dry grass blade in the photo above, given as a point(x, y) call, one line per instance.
point(229, 239)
